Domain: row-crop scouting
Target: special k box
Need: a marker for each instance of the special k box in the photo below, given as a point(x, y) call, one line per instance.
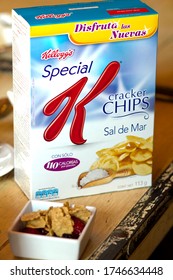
point(84, 92)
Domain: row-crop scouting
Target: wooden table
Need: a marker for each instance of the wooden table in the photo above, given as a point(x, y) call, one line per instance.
point(129, 224)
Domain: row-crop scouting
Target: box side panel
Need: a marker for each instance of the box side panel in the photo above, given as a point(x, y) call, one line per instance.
point(21, 89)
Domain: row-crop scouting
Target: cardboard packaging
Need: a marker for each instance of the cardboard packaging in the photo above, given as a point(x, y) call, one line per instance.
point(84, 92)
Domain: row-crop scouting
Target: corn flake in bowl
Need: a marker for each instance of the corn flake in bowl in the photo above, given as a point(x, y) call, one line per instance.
point(51, 230)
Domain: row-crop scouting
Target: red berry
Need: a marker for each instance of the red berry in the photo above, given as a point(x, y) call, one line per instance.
point(31, 230)
point(78, 226)
point(35, 230)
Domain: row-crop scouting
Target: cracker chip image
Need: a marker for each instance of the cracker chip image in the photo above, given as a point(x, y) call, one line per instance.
point(136, 140)
point(141, 168)
point(123, 156)
point(106, 151)
point(147, 145)
point(130, 157)
point(124, 147)
point(140, 155)
point(106, 161)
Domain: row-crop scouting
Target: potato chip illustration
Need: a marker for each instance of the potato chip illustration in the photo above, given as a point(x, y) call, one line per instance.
point(123, 156)
point(141, 168)
point(135, 139)
point(125, 147)
point(106, 162)
point(147, 145)
point(133, 156)
point(141, 155)
point(106, 151)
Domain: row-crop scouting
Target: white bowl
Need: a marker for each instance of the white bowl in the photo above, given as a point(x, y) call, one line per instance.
point(33, 246)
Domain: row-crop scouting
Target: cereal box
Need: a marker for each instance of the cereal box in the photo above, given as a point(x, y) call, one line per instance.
point(84, 92)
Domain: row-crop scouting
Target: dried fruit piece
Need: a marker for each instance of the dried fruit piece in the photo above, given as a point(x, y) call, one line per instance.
point(34, 231)
point(78, 226)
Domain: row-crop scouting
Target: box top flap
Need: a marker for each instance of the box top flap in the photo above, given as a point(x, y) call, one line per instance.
point(66, 13)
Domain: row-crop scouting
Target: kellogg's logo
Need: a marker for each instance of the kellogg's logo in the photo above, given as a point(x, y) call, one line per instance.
point(57, 16)
point(49, 54)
